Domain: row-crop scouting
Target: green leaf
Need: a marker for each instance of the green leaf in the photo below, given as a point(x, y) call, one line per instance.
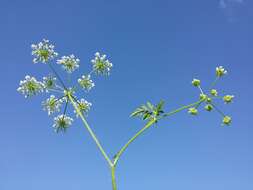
point(136, 113)
point(160, 105)
point(146, 116)
point(150, 106)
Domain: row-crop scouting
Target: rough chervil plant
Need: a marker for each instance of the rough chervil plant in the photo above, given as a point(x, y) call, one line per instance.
point(60, 97)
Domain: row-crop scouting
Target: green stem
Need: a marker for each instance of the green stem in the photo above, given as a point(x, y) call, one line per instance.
point(114, 186)
point(90, 130)
point(148, 125)
point(214, 82)
point(182, 108)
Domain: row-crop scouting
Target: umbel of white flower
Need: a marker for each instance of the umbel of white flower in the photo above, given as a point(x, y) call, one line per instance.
point(83, 106)
point(101, 65)
point(43, 51)
point(49, 82)
point(52, 104)
point(69, 63)
point(30, 86)
point(86, 83)
point(58, 99)
point(62, 123)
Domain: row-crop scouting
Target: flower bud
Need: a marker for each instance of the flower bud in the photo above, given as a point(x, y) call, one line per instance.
point(203, 96)
point(214, 92)
point(208, 107)
point(193, 111)
point(227, 120)
point(228, 98)
point(195, 82)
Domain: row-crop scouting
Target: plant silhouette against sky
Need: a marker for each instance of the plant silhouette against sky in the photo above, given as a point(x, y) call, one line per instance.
point(62, 96)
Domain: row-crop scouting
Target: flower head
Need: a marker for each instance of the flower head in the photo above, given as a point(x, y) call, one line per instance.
point(86, 83)
point(83, 106)
point(195, 82)
point(227, 120)
point(101, 65)
point(220, 71)
point(43, 51)
point(69, 63)
point(193, 111)
point(49, 82)
point(30, 86)
point(62, 122)
point(228, 98)
point(52, 104)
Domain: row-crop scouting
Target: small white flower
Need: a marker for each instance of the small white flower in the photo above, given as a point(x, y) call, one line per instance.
point(101, 65)
point(69, 63)
point(49, 82)
point(220, 71)
point(61, 123)
point(30, 86)
point(52, 104)
point(83, 106)
point(86, 83)
point(43, 51)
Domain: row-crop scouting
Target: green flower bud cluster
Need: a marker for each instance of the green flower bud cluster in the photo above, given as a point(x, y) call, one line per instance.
point(209, 98)
point(44, 52)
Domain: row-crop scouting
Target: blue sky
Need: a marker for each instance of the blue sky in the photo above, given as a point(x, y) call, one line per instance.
point(157, 47)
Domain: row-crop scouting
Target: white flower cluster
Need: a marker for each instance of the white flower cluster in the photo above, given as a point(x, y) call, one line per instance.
point(101, 65)
point(30, 86)
point(83, 106)
point(52, 104)
point(43, 51)
point(220, 71)
point(62, 122)
point(86, 83)
point(49, 82)
point(69, 63)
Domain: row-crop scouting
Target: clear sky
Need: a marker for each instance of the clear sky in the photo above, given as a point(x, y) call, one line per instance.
point(157, 47)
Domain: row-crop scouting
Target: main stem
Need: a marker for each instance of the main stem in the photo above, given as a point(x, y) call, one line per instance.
point(89, 130)
point(114, 186)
